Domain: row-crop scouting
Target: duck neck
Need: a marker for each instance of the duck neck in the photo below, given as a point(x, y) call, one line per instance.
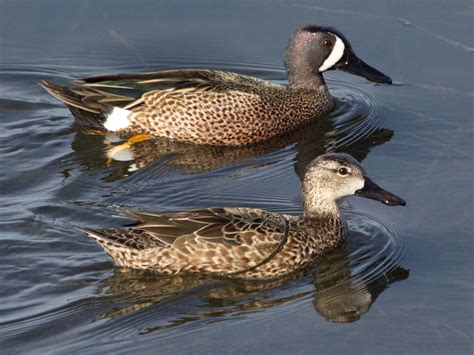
point(324, 226)
point(302, 73)
point(315, 83)
point(322, 212)
point(315, 208)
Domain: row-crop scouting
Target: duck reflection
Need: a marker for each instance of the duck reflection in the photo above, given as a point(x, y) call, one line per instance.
point(338, 295)
point(310, 141)
point(342, 298)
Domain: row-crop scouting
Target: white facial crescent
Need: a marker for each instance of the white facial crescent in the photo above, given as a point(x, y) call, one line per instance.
point(336, 54)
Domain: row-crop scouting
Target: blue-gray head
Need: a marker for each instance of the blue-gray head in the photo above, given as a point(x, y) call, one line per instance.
point(315, 49)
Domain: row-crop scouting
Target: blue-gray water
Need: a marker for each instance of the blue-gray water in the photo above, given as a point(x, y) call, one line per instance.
point(402, 283)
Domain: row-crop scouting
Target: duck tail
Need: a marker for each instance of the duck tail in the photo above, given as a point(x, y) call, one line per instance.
point(88, 112)
point(117, 250)
point(104, 239)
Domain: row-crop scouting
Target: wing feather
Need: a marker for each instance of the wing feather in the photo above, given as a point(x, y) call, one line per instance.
point(123, 88)
point(235, 239)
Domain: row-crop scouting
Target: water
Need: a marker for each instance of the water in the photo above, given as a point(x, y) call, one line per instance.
point(402, 283)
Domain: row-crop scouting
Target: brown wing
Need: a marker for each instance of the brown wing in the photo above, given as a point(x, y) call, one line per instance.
point(229, 240)
point(129, 90)
point(91, 99)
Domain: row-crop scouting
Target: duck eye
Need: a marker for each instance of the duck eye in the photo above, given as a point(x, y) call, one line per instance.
point(327, 43)
point(343, 171)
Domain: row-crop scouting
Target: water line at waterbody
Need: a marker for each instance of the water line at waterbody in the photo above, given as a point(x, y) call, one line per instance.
point(72, 178)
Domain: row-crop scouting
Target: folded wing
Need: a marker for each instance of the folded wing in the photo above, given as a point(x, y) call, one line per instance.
point(222, 240)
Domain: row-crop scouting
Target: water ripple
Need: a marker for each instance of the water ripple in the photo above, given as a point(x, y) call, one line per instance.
point(381, 243)
point(358, 113)
point(66, 178)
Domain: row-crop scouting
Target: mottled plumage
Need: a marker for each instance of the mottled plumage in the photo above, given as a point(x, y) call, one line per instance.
point(217, 107)
point(244, 242)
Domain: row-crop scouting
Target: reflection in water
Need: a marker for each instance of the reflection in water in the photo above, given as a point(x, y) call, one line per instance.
point(92, 186)
point(343, 298)
point(50, 271)
point(343, 284)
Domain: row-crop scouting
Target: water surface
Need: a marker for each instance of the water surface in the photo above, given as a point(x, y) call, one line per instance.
point(402, 282)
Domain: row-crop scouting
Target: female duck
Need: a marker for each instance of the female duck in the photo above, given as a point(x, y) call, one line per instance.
point(244, 242)
point(218, 107)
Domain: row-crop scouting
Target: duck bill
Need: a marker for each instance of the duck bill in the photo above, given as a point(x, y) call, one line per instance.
point(357, 66)
point(373, 191)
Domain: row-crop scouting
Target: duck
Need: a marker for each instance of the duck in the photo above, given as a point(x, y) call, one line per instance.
point(215, 107)
point(245, 243)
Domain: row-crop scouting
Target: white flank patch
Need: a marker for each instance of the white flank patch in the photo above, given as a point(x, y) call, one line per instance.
point(117, 119)
point(336, 54)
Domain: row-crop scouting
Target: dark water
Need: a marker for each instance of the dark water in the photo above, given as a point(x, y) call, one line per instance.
point(402, 283)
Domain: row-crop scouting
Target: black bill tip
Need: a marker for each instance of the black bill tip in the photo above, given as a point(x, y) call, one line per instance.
point(357, 66)
point(399, 202)
point(372, 191)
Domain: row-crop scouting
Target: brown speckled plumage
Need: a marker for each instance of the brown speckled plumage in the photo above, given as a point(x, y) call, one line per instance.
point(211, 106)
point(202, 106)
point(242, 242)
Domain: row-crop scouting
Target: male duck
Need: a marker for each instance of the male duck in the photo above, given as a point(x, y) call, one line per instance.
point(218, 107)
point(245, 242)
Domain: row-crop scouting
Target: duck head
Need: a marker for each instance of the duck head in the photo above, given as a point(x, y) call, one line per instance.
point(314, 49)
point(333, 176)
